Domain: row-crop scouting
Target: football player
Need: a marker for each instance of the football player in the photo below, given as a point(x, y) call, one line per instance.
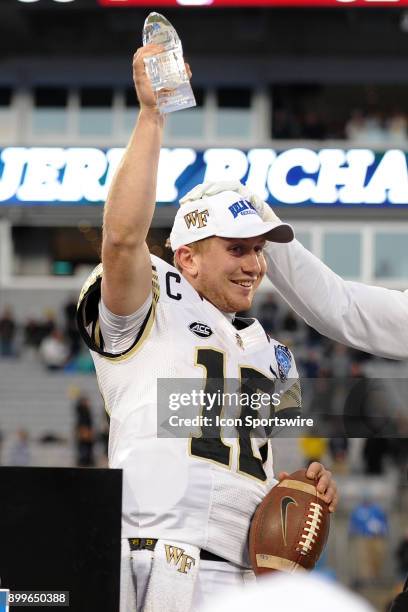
point(188, 500)
point(371, 319)
point(355, 314)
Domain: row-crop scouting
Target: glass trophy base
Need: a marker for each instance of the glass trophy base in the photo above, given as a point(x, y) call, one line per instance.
point(176, 99)
point(170, 81)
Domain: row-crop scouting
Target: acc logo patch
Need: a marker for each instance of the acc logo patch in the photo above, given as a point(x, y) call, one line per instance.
point(284, 361)
point(200, 329)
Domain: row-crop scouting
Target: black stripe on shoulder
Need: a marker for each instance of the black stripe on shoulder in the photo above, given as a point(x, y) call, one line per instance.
point(88, 314)
point(87, 311)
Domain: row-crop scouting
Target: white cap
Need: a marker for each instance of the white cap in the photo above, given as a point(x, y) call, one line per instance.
point(227, 215)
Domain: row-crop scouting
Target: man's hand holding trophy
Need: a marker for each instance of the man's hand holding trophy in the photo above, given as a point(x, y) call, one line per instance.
point(165, 68)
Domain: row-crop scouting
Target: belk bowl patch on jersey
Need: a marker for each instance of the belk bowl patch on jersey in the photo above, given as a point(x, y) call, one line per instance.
point(284, 361)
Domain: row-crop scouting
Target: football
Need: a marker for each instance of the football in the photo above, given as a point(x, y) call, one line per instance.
point(290, 527)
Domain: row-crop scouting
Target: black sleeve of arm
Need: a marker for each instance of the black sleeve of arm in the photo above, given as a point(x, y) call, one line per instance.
point(400, 603)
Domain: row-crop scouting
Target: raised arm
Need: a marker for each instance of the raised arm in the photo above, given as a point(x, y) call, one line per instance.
point(130, 204)
point(372, 319)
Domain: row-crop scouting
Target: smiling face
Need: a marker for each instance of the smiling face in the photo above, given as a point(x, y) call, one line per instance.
point(225, 271)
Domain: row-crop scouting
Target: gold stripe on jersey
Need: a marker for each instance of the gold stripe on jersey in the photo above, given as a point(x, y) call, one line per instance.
point(97, 336)
point(155, 284)
point(91, 280)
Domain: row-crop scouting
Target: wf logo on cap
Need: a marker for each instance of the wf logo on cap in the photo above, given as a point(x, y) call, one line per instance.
point(196, 218)
point(242, 207)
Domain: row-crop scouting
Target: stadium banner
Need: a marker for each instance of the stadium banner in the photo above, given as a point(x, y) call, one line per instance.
point(292, 177)
point(265, 3)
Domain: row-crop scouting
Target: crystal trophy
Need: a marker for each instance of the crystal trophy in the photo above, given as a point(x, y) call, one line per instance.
point(166, 70)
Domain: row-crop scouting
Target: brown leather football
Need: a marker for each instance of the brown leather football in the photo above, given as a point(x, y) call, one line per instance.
point(290, 527)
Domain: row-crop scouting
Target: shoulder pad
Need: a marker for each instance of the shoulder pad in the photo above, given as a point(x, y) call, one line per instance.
point(88, 313)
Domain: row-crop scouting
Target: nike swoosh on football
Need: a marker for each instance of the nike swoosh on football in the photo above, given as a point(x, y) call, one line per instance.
point(285, 503)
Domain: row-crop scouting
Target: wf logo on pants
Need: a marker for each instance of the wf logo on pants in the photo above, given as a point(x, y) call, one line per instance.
point(177, 557)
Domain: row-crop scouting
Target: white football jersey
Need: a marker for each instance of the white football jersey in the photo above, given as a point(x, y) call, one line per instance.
point(192, 489)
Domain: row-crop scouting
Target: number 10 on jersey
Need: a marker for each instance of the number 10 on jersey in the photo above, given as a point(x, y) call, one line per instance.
point(210, 445)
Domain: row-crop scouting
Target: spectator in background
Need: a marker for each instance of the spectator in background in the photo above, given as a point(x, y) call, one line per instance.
point(313, 127)
point(314, 339)
point(84, 433)
point(71, 329)
point(322, 400)
point(290, 331)
point(375, 130)
point(366, 411)
point(54, 351)
point(374, 453)
point(104, 437)
point(36, 330)
point(338, 449)
point(267, 313)
point(285, 125)
point(399, 448)
point(397, 128)
point(20, 453)
point(7, 333)
point(355, 128)
point(340, 362)
point(310, 365)
point(313, 449)
point(401, 556)
point(33, 333)
point(290, 323)
point(48, 324)
point(368, 530)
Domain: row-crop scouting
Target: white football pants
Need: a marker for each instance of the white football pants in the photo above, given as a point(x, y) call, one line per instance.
point(214, 578)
